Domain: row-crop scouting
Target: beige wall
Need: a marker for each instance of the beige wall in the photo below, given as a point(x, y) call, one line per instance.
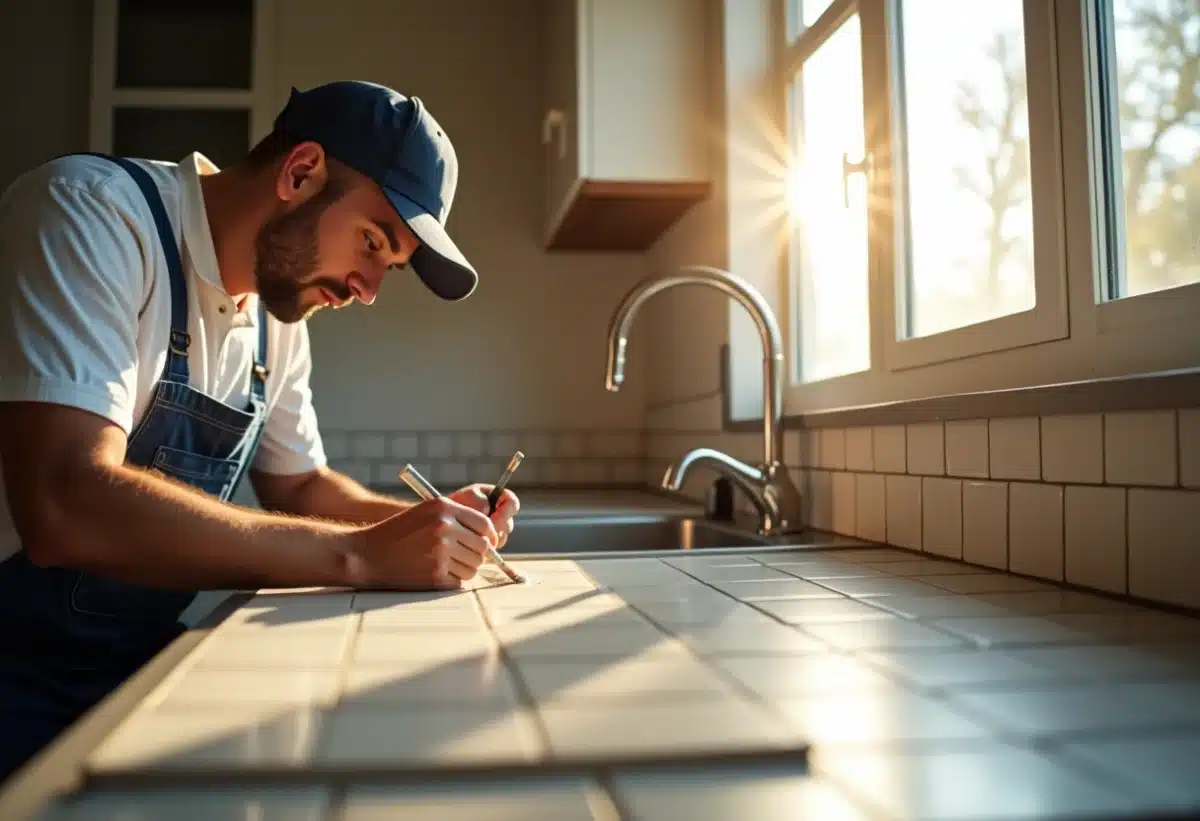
point(45, 65)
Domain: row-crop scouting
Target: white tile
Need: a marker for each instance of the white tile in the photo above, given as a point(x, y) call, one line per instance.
point(764, 640)
point(793, 447)
point(1095, 537)
point(1073, 448)
point(870, 506)
point(971, 584)
point(805, 674)
point(230, 803)
point(1052, 710)
point(1035, 530)
point(529, 797)
point(1014, 448)
point(439, 445)
point(1012, 630)
point(884, 634)
point(389, 647)
point(383, 734)
point(816, 611)
point(433, 682)
point(223, 689)
point(903, 499)
point(244, 737)
point(1141, 448)
point(1189, 447)
point(820, 499)
point(887, 717)
point(979, 781)
point(663, 729)
point(831, 448)
point(985, 523)
point(960, 670)
point(967, 448)
point(859, 449)
point(603, 681)
point(926, 455)
point(1164, 555)
point(312, 650)
point(1162, 765)
point(844, 506)
point(942, 516)
point(721, 792)
point(889, 449)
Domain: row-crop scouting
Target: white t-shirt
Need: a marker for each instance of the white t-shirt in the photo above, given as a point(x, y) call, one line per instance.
point(88, 298)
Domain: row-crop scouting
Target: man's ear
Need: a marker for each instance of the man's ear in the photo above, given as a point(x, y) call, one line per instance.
point(302, 173)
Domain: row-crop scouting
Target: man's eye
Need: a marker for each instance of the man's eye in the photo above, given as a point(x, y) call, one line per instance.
point(371, 244)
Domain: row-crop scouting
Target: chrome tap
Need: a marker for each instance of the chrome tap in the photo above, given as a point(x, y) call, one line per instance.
point(768, 485)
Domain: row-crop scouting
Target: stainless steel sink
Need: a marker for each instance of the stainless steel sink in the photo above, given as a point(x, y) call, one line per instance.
point(605, 535)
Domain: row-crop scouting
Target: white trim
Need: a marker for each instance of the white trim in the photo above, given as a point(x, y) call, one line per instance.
point(181, 98)
point(266, 96)
point(104, 75)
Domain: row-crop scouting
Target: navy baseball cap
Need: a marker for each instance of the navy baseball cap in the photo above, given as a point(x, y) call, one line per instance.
point(395, 141)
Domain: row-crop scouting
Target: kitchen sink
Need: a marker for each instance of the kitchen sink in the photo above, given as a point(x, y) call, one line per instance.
point(601, 535)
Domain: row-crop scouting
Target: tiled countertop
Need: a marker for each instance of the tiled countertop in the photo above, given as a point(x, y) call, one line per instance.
point(926, 689)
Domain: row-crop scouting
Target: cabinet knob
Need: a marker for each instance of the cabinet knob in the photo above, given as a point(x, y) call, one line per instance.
point(556, 120)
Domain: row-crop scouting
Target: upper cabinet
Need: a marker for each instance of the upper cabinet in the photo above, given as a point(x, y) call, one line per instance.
point(624, 130)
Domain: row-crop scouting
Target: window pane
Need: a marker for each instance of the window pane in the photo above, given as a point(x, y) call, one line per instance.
point(829, 239)
point(966, 135)
point(184, 43)
point(1157, 46)
point(803, 13)
point(222, 134)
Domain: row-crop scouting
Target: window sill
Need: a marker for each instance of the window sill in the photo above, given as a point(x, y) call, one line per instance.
point(1148, 391)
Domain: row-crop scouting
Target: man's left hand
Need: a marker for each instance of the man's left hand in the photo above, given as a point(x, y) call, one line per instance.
point(475, 496)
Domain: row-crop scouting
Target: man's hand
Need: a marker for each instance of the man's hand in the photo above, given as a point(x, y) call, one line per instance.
point(436, 545)
point(475, 497)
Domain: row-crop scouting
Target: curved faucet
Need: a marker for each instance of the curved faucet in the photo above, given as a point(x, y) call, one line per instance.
point(768, 486)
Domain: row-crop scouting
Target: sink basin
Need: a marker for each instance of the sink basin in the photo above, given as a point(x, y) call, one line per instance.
point(610, 534)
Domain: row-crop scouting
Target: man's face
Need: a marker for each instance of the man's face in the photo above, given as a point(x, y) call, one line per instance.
point(329, 249)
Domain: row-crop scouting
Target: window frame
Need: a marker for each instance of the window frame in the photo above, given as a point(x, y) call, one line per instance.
point(1074, 334)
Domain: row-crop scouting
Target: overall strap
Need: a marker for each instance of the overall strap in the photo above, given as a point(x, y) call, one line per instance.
point(177, 361)
point(258, 374)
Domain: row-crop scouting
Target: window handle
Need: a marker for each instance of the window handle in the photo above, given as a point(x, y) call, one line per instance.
point(848, 168)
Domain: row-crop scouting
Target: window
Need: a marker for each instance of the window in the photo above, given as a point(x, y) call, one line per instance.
point(1148, 63)
point(987, 196)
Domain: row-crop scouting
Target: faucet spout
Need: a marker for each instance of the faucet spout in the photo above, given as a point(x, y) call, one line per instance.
point(764, 485)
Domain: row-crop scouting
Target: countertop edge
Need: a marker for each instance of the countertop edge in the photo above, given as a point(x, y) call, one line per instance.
point(58, 768)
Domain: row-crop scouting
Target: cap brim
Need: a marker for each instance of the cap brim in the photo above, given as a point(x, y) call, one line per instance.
point(438, 262)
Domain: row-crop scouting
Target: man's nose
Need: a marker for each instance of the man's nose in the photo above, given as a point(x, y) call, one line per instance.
point(364, 288)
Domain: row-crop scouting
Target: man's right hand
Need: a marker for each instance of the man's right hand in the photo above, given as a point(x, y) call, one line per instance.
point(435, 545)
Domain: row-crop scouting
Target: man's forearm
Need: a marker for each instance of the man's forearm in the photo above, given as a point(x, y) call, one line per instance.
point(133, 525)
point(331, 495)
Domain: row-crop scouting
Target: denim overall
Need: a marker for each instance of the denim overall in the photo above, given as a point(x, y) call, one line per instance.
point(68, 637)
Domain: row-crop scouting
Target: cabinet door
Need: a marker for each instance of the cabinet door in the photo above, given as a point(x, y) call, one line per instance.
point(561, 112)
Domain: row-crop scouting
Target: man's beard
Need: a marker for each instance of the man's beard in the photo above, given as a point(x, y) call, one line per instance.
point(286, 258)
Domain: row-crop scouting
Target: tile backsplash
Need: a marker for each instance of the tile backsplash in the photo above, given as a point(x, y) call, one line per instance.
point(1108, 501)
point(458, 457)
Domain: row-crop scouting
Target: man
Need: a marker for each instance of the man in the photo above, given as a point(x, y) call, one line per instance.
point(155, 352)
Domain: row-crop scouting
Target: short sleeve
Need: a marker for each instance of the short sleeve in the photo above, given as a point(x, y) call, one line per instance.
point(291, 441)
point(72, 275)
